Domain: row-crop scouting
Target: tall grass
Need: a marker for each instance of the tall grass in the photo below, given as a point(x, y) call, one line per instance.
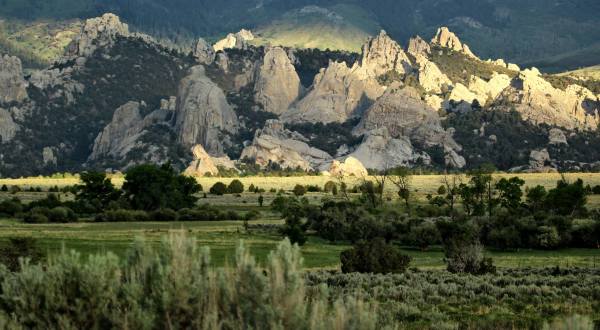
point(174, 287)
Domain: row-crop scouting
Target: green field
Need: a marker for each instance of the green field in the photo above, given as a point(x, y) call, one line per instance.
point(223, 236)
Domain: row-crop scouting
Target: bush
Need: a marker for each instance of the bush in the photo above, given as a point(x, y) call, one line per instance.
point(469, 259)
point(313, 188)
point(218, 189)
point(329, 186)
point(17, 248)
point(11, 207)
point(4, 188)
point(123, 216)
point(37, 215)
point(596, 190)
point(62, 214)
point(442, 190)
point(252, 215)
point(299, 190)
point(375, 256)
point(164, 215)
point(235, 187)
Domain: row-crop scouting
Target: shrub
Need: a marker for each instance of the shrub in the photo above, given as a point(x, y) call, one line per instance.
point(20, 247)
point(375, 256)
point(313, 188)
point(4, 188)
point(329, 186)
point(252, 215)
point(235, 187)
point(218, 189)
point(442, 190)
point(469, 259)
point(424, 235)
point(596, 190)
point(123, 216)
point(62, 214)
point(11, 207)
point(299, 190)
point(164, 215)
point(548, 237)
point(37, 215)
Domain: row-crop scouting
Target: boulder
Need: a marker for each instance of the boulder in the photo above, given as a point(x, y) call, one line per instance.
point(202, 164)
point(203, 52)
point(276, 145)
point(48, 156)
point(488, 90)
point(557, 137)
point(202, 114)
point(277, 84)
point(447, 39)
point(461, 93)
point(538, 158)
point(349, 167)
point(13, 87)
point(97, 33)
point(431, 77)
point(8, 128)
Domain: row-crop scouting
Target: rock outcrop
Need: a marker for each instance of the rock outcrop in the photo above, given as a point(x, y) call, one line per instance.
point(120, 136)
point(557, 137)
point(238, 40)
point(380, 151)
point(445, 38)
point(277, 84)
point(203, 115)
point(97, 32)
point(381, 55)
point(538, 158)
point(337, 94)
point(418, 47)
point(349, 167)
point(488, 90)
point(203, 52)
point(276, 145)
point(431, 78)
point(13, 87)
point(203, 164)
point(49, 157)
point(8, 128)
point(540, 103)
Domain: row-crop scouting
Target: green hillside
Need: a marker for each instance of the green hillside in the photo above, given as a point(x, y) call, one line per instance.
point(592, 72)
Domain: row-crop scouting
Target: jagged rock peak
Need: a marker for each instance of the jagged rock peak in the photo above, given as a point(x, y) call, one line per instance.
point(203, 52)
point(120, 135)
point(418, 46)
point(445, 38)
point(238, 40)
point(277, 85)
point(98, 32)
point(381, 55)
point(13, 87)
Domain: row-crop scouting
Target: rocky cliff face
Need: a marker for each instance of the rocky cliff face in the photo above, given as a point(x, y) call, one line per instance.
point(96, 33)
point(381, 55)
point(8, 127)
point(276, 145)
point(203, 164)
point(120, 136)
point(238, 40)
point(447, 39)
point(203, 52)
point(13, 87)
point(539, 102)
point(418, 47)
point(277, 84)
point(203, 115)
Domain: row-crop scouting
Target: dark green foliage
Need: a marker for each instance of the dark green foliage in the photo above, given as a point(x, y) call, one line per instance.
point(235, 187)
point(294, 230)
point(11, 207)
point(328, 137)
point(375, 256)
point(219, 189)
point(151, 187)
point(261, 200)
point(20, 248)
point(462, 249)
point(536, 197)
point(96, 190)
point(299, 190)
point(61, 214)
point(164, 215)
point(122, 216)
point(424, 235)
point(510, 193)
point(567, 198)
point(329, 187)
point(4, 188)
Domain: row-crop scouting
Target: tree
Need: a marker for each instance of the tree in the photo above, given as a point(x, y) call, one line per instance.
point(151, 187)
point(261, 200)
point(535, 198)
point(329, 187)
point(453, 184)
point(424, 235)
point(17, 248)
point(462, 249)
point(218, 189)
point(374, 256)
point(97, 190)
point(401, 178)
point(235, 187)
point(510, 192)
point(299, 190)
point(567, 198)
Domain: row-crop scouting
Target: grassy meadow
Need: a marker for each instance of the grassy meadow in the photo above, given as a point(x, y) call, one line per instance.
point(223, 236)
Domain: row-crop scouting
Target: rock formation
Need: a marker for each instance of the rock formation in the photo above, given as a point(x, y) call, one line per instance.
point(120, 136)
point(276, 145)
point(538, 158)
point(557, 137)
point(445, 38)
point(49, 157)
point(337, 94)
point(13, 87)
point(8, 128)
point(431, 77)
point(418, 47)
point(238, 40)
point(488, 90)
point(203, 164)
point(203, 52)
point(540, 103)
point(202, 114)
point(97, 32)
point(381, 55)
point(277, 84)
point(349, 167)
